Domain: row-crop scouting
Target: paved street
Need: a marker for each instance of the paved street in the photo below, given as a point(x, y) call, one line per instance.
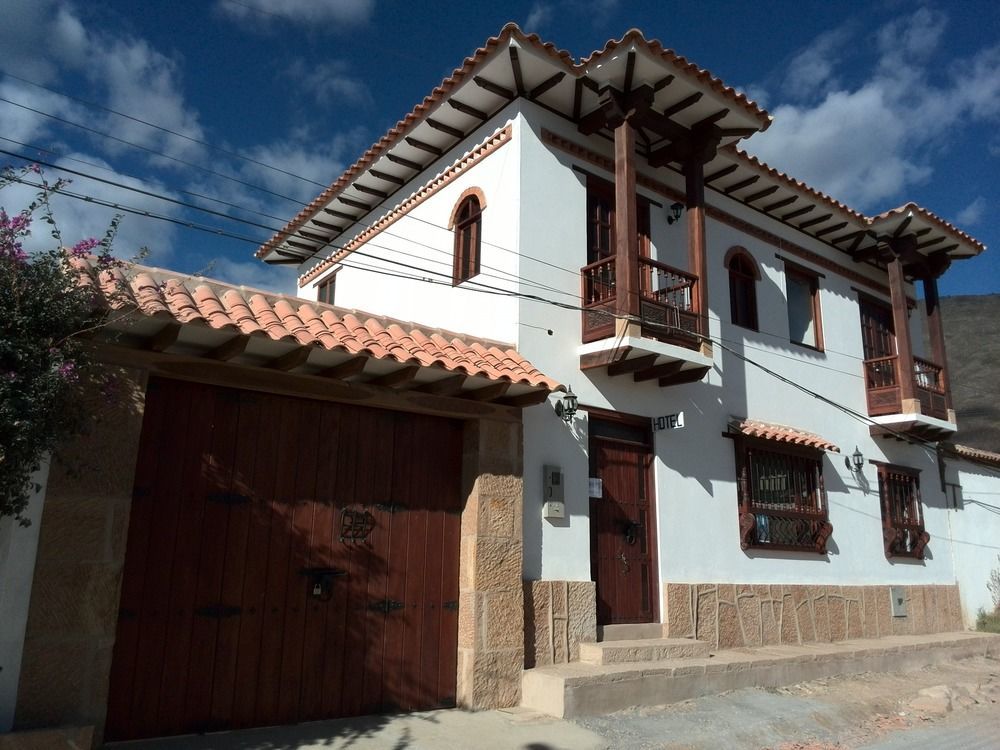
point(959, 709)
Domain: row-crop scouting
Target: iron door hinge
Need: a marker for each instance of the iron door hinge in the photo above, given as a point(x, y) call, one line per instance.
point(453, 606)
point(386, 606)
point(390, 507)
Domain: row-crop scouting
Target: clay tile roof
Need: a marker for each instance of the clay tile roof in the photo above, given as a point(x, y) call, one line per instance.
point(932, 218)
point(158, 293)
point(965, 451)
point(782, 434)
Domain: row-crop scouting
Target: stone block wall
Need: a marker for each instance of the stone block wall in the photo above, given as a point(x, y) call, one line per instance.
point(81, 550)
point(491, 604)
point(729, 615)
point(558, 615)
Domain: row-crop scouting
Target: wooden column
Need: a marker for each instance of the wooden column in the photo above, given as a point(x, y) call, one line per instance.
point(904, 348)
point(936, 334)
point(626, 224)
point(694, 174)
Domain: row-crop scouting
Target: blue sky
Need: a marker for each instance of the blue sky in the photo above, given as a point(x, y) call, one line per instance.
point(874, 102)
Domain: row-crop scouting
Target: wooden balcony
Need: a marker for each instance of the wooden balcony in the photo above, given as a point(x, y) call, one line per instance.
point(665, 302)
point(666, 343)
point(885, 398)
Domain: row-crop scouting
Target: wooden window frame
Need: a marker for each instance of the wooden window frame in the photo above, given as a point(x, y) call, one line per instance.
point(761, 521)
point(902, 485)
point(812, 279)
point(468, 227)
point(749, 280)
point(326, 289)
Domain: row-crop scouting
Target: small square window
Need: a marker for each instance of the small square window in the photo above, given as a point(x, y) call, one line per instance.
point(903, 530)
point(325, 289)
point(804, 325)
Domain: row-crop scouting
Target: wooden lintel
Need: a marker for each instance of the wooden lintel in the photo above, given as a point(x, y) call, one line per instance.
point(629, 70)
point(688, 101)
point(291, 360)
point(340, 214)
point(349, 368)
point(684, 376)
point(663, 82)
point(546, 84)
point(423, 146)
point(164, 338)
point(445, 128)
point(761, 194)
point(780, 204)
point(353, 203)
point(527, 399)
point(798, 212)
point(710, 120)
point(831, 228)
point(493, 88)
point(657, 371)
point(445, 386)
point(625, 366)
point(603, 359)
point(397, 378)
point(327, 225)
point(515, 67)
point(467, 109)
point(488, 393)
point(385, 176)
point(409, 164)
point(814, 222)
point(233, 347)
point(721, 173)
point(741, 184)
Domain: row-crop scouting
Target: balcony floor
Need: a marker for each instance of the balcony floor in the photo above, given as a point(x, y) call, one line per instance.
point(646, 359)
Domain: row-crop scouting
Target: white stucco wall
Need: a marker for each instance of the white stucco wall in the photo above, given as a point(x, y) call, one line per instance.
point(18, 546)
point(974, 530)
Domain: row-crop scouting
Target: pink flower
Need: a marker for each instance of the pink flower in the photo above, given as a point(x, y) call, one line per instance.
point(67, 371)
point(83, 247)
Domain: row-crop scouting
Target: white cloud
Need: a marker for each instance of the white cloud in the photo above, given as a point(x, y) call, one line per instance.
point(304, 12)
point(867, 143)
point(973, 213)
point(812, 72)
point(330, 83)
point(540, 14)
point(255, 274)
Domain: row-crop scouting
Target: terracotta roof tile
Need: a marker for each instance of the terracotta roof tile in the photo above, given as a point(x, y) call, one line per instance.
point(977, 454)
point(159, 293)
point(931, 217)
point(782, 434)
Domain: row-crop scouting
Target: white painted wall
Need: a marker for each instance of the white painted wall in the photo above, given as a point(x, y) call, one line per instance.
point(18, 546)
point(974, 529)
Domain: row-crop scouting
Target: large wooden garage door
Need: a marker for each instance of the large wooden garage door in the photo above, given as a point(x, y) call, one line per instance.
point(287, 560)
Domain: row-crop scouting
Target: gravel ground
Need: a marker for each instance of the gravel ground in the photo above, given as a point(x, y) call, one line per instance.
point(954, 703)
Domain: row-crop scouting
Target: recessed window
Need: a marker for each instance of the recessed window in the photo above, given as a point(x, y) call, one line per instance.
point(781, 496)
point(902, 517)
point(743, 276)
point(326, 288)
point(804, 325)
point(468, 226)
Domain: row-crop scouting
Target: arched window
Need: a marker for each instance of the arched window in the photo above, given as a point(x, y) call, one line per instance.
point(743, 276)
point(467, 220)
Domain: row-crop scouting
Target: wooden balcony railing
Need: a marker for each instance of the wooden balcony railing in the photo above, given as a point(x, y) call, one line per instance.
point(665, 302)
point(882, 379)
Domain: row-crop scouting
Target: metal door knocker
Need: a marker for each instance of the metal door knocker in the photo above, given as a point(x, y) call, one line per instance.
point(631, 532)
point(355, 525)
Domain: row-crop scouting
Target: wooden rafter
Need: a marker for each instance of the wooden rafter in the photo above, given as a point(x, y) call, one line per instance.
point(625, 366)
point(663, 82)
point(721, 173)
point(291, 360)
point(493, 88)
point(683, 104)
point(327, 225)
point(657, 371)
point(684, 376)
point(515, 66)
point(445, 128)
point(902, 226)
point(349, 368)
point(780, 204)
point(353, 203)
point(831, 228)
point(314, 236)
point(629, 71)
point(445, 386)
point(546, 84)
point(814, 222)
point(423, 146)
point(467, 109)
point(229, 349)
point(164, 338)
point(340, 214)
point(405, 162)
point(527, 399)
point(761, 194)
point(488, 393)
point(710, 120)
point(370, 190)
point(396, 378)
point(386, 177)
point(577, 98)
point(849, 236)
point(798, 212)
point(300, 245)
point(929, 243)
point(741, 184)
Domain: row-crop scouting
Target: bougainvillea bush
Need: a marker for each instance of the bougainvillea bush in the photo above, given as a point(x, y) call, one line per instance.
point(45, 316)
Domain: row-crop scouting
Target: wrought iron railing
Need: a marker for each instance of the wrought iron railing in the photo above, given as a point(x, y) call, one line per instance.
point(784, 528)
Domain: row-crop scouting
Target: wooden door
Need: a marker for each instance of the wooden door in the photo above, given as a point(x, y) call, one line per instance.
point(623, 534)
point(287, 560)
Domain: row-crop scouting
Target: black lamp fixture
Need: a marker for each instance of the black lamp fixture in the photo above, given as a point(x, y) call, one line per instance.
point(566, 406)
point(675, 212)
point(855, 462)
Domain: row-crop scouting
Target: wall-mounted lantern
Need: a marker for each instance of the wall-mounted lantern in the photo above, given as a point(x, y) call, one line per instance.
point(566, 406)
point(675, 212)
point(855, 462)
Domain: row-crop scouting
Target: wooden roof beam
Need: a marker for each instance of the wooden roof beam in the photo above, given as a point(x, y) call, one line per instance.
point(683, 104)
point(831, 228)
point(657, 371)
point(327, 225)
point(489, 392)
point(354, 204)
point(370, 190)
point(799, 212)
point(314, 236)
point(346, 369)
point(780, 204)
point(229, 349)
point(445, 128)
point(710, 120)
point(423, 146)
point(340, 214)
point(625, 366)
point(291, 360)
point(416, 166)
point(445, 386)
point(493, 88)
point(663, 82)
point(814, 222)
point(396, 378)
point(515, 66)
point(527, 399)
point(546, 84)
point(385, 176)
point(761, 194)
point(741, 184)
point(721, 173)
point(164, 338)
point(629, 70)
point(467, 109)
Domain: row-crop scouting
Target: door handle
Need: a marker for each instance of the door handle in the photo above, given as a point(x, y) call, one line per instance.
point(625, 564)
